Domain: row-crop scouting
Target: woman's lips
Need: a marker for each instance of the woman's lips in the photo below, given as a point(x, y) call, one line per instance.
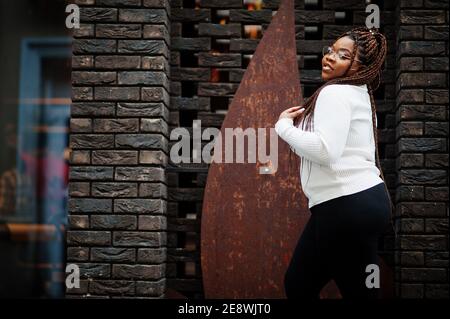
point(326, 68)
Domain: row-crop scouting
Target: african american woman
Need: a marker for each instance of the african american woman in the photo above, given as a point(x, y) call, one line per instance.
point(334, 133)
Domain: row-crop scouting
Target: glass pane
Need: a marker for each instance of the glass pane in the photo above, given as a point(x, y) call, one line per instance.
point(35, 59)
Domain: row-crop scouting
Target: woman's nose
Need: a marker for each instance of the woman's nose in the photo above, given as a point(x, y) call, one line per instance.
point(330, 57)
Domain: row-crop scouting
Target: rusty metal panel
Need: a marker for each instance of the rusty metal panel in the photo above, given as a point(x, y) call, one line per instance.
point(251, 221)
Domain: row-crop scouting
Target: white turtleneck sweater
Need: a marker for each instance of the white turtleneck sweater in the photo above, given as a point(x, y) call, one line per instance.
point(341, 147)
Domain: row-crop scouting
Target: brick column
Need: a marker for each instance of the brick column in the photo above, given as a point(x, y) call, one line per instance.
point(422, 148)
point(119, 141)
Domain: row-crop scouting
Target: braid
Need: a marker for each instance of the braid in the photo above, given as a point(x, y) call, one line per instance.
point(372, 48)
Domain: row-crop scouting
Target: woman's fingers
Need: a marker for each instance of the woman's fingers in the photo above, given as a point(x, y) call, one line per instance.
point(294, 108)
point(297, 113)
point(292, 112)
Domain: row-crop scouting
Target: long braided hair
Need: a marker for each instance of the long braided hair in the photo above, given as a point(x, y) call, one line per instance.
point(372, 48)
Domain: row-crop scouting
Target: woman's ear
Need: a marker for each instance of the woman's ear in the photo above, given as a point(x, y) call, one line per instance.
point(361, 67)
point(353, 70)
point(357, 67)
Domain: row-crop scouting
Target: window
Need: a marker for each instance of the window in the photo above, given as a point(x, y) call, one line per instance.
point(35, 58)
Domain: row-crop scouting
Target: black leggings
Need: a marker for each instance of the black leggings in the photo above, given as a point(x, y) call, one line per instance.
point(338, 242)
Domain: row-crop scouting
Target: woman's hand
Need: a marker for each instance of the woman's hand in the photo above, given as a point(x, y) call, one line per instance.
point(292, 112)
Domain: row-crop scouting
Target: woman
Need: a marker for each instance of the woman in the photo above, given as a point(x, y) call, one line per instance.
point(349, 201)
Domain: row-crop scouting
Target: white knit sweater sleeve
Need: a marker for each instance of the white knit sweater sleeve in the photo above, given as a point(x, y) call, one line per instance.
point(332, 116)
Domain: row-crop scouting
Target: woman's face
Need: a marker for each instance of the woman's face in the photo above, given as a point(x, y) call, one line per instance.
point(335, 65)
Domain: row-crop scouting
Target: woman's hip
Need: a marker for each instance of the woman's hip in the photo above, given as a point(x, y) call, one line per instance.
point(367, 210)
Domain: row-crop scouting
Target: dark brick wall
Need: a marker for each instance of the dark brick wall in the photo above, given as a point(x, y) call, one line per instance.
point(123, 186)
point(119, 141)
point(422, 149)
point(203, 84)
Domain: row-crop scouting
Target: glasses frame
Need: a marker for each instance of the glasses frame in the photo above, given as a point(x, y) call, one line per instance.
point(329, 50)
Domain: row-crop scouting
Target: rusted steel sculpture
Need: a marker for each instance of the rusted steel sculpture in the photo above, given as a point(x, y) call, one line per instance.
point(251, 222)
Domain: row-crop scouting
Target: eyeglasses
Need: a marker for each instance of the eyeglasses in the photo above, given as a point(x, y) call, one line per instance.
point(341, 54)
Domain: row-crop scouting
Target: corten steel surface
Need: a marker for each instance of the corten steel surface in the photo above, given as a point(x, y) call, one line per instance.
point(251, 221)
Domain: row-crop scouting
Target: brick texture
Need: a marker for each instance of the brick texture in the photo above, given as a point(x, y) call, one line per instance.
point(119, 140)
point(421, 255)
